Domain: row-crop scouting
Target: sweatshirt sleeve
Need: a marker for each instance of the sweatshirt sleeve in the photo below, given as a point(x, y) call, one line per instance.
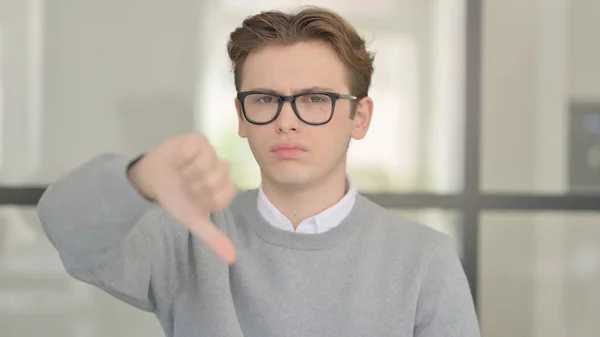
point(445, 305)
point(111, 237)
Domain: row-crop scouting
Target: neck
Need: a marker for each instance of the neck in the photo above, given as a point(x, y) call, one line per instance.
point(298, 204)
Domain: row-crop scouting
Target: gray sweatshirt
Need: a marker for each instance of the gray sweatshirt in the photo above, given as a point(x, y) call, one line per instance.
point(375, 274)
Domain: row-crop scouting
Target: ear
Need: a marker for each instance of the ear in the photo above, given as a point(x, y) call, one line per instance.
point(241, 124)
point(362, 118)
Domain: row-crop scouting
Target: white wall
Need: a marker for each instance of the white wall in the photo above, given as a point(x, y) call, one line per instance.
point(104, 66)
point(13, 16)
point(110, 63)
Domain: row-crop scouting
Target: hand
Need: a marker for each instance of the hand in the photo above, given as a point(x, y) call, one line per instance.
point(185, 176)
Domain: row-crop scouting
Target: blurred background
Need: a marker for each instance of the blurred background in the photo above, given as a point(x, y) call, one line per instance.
point(486, 127)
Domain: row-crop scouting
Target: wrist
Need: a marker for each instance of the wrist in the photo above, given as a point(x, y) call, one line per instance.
point(136, 174)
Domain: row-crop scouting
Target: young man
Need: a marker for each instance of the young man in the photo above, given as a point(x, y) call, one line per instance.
point(302, 255)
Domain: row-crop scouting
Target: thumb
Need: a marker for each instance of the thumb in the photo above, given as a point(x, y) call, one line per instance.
point(216, 240)
point(186, 210)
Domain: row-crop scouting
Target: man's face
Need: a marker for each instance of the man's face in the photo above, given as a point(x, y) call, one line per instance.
point(321, 150)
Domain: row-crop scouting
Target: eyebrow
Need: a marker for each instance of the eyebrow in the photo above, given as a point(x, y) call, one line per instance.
point(295, 92)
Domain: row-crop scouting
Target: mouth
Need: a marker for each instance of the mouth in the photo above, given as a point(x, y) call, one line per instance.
point(288, 150)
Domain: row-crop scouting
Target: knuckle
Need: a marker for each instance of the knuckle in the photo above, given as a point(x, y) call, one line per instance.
point(190, 172)
point(212, 181)
point(210, 186)
point(192, 144)
point(200, 167)
point(195, 138)
point(187, 153)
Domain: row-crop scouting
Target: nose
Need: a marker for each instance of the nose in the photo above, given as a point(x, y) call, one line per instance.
point(287, 120)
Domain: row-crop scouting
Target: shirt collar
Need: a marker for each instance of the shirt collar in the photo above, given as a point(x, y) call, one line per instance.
point(319, 223)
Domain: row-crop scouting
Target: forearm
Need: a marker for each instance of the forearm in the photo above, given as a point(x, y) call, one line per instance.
point(91, 208)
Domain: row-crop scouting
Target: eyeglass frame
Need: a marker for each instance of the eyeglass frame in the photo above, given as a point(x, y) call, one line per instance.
point(281, 99)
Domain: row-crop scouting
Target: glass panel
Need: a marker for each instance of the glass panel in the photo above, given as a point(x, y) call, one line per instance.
point(541, 97)
point(34, 287)
point(414, 143)
point(447, 222)
point(539, 274)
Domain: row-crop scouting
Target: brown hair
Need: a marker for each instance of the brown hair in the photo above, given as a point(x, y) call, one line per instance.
point(310, 23)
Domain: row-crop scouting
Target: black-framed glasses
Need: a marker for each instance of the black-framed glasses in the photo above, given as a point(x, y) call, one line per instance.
point(313, 108)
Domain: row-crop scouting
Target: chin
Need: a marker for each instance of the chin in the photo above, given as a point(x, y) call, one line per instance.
point(289, 177)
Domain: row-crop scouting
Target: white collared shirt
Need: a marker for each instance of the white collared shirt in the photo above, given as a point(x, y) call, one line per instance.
point(319, 223)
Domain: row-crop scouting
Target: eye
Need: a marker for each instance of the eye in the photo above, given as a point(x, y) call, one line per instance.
point(265, 99)
point(315, 99)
